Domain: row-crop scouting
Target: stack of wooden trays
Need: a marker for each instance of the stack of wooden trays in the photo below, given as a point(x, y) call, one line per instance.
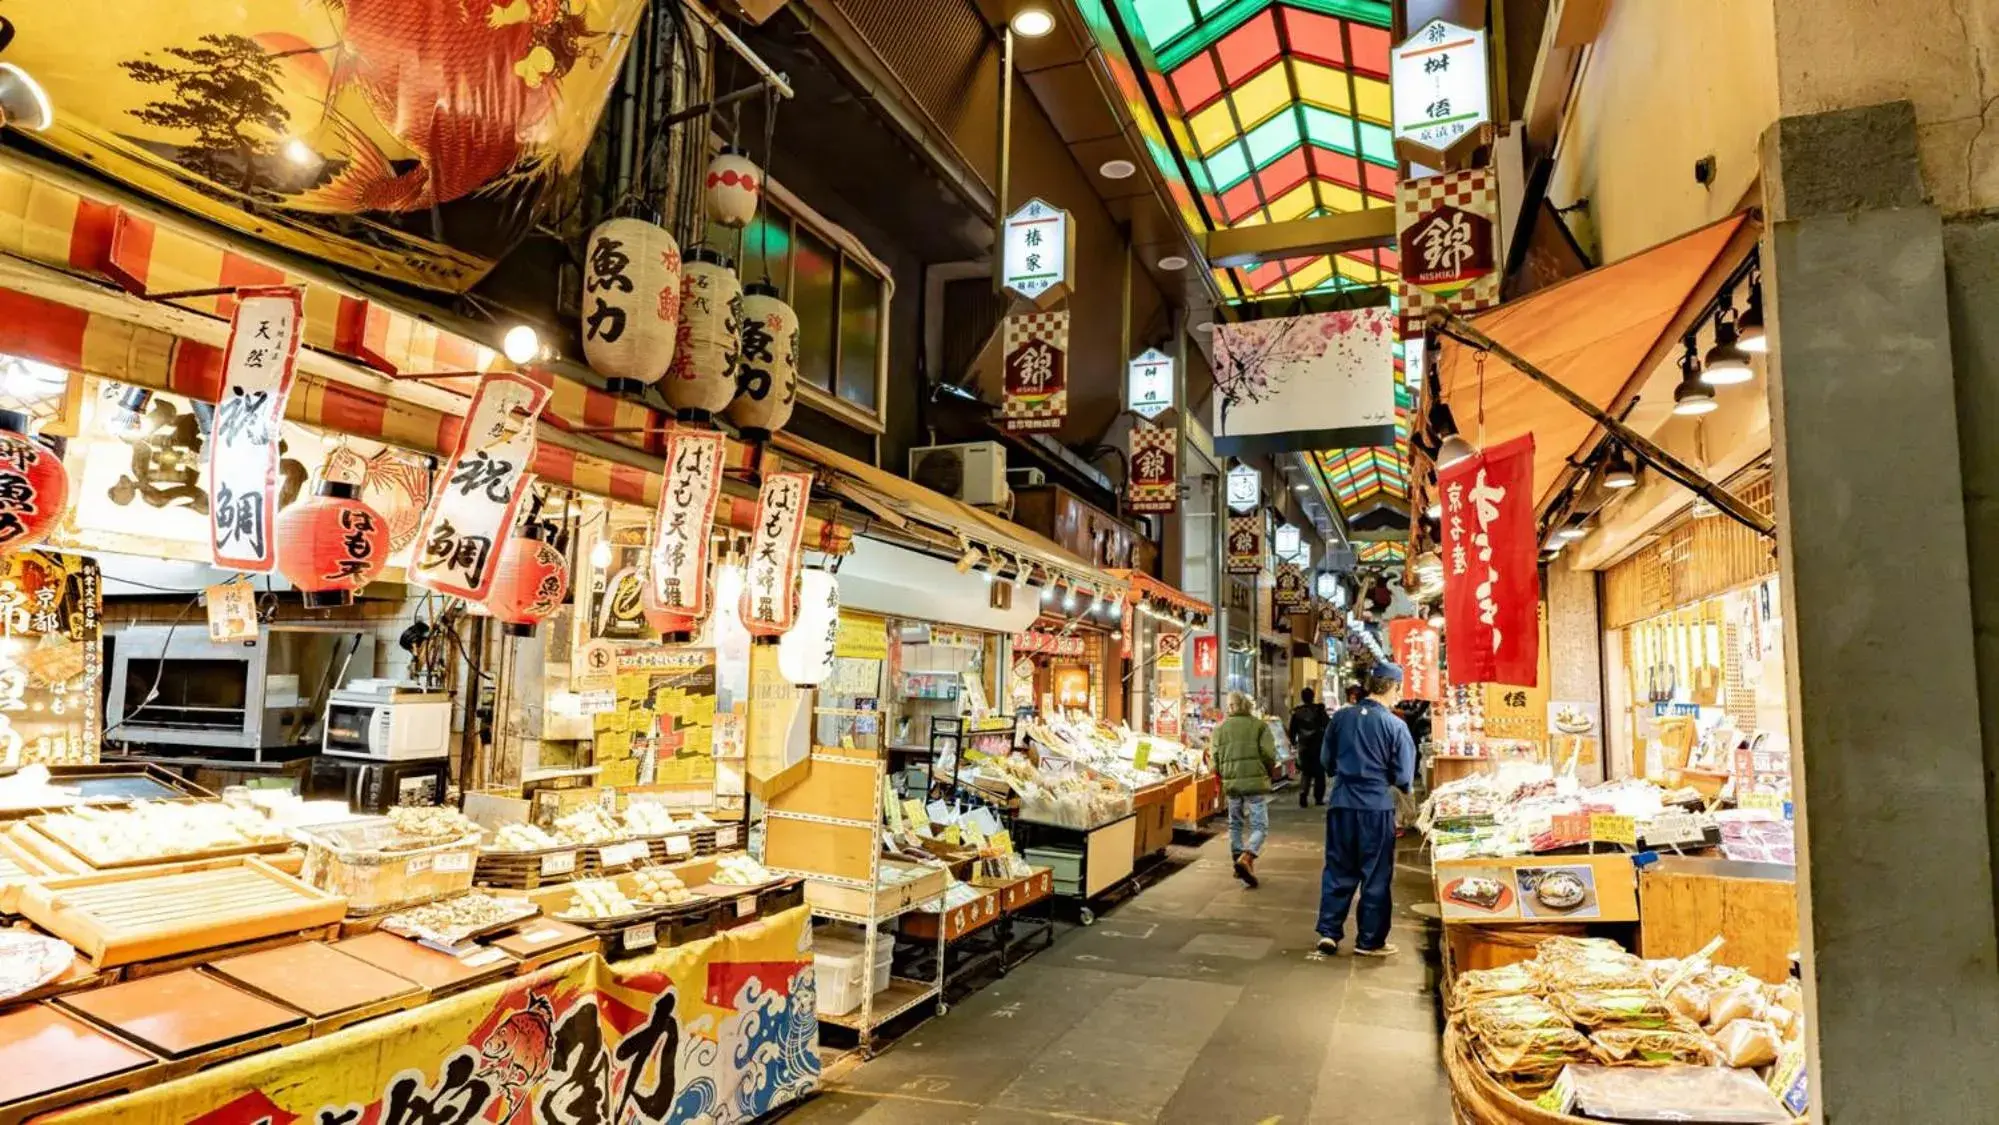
point(143, 914)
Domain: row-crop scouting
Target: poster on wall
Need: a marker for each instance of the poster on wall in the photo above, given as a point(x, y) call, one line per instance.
point(420, 149)
point(50, 614)
point(1035, 355)
point(1491, 581)
point(617, 592)
point(1155, 477)
point(661, 731)
point(1447, 236)
point(472, 508)
point(1303, 383)
point(258, 367)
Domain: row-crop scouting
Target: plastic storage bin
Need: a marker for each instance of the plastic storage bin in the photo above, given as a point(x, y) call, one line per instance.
point(836, 964)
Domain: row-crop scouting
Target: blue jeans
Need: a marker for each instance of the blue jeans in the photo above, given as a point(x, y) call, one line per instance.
point(1254, 809)
point(1360, 857)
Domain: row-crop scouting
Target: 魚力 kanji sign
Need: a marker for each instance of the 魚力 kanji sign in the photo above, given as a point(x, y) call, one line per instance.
point(1155, 479)
point(1441, 94)
point(1149, 384)
point(1491, 581)
point(1037, 250)
point(1446, 231)
point(1036, 354)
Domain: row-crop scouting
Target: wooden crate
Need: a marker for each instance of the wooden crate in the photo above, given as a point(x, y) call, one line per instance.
point(1022, 893)
point(958, 921)
point(1152, 829)
point(1685, 903)
point(889, 899)
point(17, 868)
point(120, 917)
point(529, 870)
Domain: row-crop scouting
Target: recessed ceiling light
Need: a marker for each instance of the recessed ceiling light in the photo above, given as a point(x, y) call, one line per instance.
point(1172, 262)
point(1032, 23)
point(1117, 169)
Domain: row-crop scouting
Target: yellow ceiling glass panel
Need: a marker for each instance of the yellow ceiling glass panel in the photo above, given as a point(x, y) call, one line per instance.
point(1251, 219)
point(1359, 271)
point(1258, 98)
point(1340, 199)
point(1293, 204)
point(1372, 101)
point(1321, 85)
point(1212, 127)
point(1311, 275)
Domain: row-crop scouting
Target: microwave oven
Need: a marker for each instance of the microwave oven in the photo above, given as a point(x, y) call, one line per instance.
point(386, 722)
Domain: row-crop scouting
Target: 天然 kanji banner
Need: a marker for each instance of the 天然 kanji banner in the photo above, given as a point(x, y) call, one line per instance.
point(1155, 479)
point(1492, 587)
point(722, 1030)
point(472, 505)
point(1035, 354)
point(258, 367)
point(1446, 232)
point(1416, 647)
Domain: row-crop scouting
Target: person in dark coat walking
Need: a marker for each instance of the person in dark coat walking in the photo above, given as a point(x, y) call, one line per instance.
point(1308, 732)
point(1370, 755)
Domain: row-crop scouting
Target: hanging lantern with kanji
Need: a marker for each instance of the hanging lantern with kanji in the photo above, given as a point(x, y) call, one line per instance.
point(332, 545)
point(631, 303)
point(734, 185)
point(34, 489)
point(767, 373)
point(805, 653)
point(673, 627)
point(703, 377)
point(530, 584)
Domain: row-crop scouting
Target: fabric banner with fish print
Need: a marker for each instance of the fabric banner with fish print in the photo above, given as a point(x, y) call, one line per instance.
point(770, 579)
point(415, 141)
point(1492, 583)
point(721, 1030)
point(686, 522)
point(258, 367)
point(472, 505)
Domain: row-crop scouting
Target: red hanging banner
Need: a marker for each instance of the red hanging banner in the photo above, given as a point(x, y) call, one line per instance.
point(1207, 655)
point(1416, 649)
point(258, 367)
point(1491, 582)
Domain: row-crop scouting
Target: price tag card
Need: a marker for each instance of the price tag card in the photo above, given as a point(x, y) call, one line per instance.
point(643, 936)
point(1570, 828)
point(1669, 829)
point(416, 864)
point(452, 861)
point(1143, 757)
point(232, 612)
point(914, 813)
point(727, 835)
point(1764, 802)
point(541, 935)
point(480, 957)
point(746, 906)
point(679, 845)
point(558, 863)
point(1610, 828)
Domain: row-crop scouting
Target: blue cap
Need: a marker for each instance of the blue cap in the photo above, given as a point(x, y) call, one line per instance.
point(1386, 671)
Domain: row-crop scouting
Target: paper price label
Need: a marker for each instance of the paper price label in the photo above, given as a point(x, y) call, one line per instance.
point(727, 835)
point(541, 936)
point(417, 865)
point(1571, 828)
point(617, 854)
point(1613, 829)
point(1765, 802)
point(452, 861)
point(679, 845)
point(746, 906)
point(558, 863)
point(480, 957)
point(643, 936)
point(1668, 829)
point(1143, 757)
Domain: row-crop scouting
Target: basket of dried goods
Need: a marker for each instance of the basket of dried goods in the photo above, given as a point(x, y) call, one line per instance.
point(411, 856)
point(451, 922)
point(524, 857)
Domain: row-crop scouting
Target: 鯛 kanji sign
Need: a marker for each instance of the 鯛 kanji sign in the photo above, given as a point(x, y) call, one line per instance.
point(1446, 232)
point(1441, 94)
point(1491, 582)
point(1036, 351)
point(1154, 479)
point(473, 503)
point(258, 367)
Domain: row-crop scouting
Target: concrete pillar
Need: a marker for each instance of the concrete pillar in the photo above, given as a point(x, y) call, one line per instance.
point(1894, 871)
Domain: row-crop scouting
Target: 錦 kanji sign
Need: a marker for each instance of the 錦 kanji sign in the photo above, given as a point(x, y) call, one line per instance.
point(1446, 232)
point(1155, 479)
point(1036, 351)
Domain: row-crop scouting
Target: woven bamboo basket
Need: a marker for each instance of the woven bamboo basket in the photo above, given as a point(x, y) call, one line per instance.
point(1481, 1100)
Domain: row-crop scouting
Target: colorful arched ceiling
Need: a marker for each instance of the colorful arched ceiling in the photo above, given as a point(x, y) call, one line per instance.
point(1374, 476)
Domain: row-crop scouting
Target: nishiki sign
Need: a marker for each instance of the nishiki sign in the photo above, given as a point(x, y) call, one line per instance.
point(1441, 95)
point(1038, 246)
point(1491, 581)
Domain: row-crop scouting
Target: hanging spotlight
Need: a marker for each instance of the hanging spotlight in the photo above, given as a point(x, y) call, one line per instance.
point(1727, 363)
point(1454, 450)
point(1047, 593)
point(1749, 335)
point(1692, 396)
point(1576, 528)
point(1437, 619)
point(1618, 471)
point(521, 344)
point(1069, 600)
point(23, 102)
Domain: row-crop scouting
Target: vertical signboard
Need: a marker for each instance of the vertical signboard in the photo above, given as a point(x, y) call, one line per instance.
point(258, 367)
point(473, 504)
point(1491, 582)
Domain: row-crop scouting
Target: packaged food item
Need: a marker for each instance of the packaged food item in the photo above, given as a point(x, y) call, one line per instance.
point(522, 838)
point(29, 961)
point(1531, 1058)
point(657, 886)
point(1690, 1001)
point(589, 825)
point(1637, 1008)
point(598, 899)
point(1741, 1001)
point(1505, 1014)
point(740, 871)
point(1507, 980)
point(422, 825)
point(1708, 1094)
point(452, 921)
point(1747, 1043)
point(1630, 1046)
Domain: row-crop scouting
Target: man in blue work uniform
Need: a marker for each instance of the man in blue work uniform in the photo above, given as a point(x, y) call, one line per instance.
point(1369, 754)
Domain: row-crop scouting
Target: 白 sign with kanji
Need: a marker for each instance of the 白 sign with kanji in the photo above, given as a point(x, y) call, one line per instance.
point(1149, 384)
point(1441, 92)
point(257, 372)
point(1037, 247)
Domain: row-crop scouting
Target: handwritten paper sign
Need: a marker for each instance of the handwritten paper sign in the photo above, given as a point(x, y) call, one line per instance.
point(232, 612)
point(257, 373)
point(472, 508)
point(770, 580)
point(1609, 828)
point(687, 501)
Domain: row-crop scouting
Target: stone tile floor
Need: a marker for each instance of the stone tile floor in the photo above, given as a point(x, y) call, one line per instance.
point(1195, 1001)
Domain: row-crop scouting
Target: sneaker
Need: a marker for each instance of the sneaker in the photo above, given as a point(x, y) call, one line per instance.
point(1329, 947)
point(1386, 950)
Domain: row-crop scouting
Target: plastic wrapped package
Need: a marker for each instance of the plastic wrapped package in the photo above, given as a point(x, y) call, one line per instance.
point(1709, 1094)
point(1690, 1001)
point(1503, 1015)
point(1748, 1043)
point(1531, 1059)
point(1630, 1046)
point(1638, 1008)
point(1473, 985)
point(1738, 1002)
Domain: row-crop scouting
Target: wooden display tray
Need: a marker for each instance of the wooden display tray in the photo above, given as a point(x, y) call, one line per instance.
point(959, 921)
point(119, 917)
point(17, 869)
point(889, 899)
point(545, 941)
point(528, 870)
point(333, 989)
point(36, 829)
point(190, 1018)
point(1022, 893)
point(50, 1059)
point(438, 974)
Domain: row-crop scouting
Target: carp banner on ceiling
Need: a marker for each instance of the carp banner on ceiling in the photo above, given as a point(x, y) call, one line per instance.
point(417, 141)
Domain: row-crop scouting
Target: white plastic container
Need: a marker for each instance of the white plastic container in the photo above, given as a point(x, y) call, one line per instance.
point(836, 963)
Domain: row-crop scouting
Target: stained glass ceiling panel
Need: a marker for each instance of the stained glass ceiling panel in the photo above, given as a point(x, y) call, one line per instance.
point(1369, 477)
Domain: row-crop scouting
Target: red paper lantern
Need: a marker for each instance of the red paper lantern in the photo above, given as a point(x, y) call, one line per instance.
point(530, 584)
point(673, 628)
point(332, 545)
point(34, 489)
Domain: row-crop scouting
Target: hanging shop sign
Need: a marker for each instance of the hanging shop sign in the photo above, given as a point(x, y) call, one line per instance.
point(678, 574)
point(473, 504)
point(1155, 477)
point(702, 379)
point(1418, 649)
point(631, 303)
point(332, 545)
point(1148, 388)
point(1245, 489)
point(1207, 655)
point(1447, 234)
point(1245, 544)
point(1491, 584)
point(805, 653)
point(1038, 245)
point(767, 373)
point(1326, 585)
point(1036, 386)
point(1039, 643)
point(1290, 591)
point(529, 584)
point(1441, 95)
point(1286, 542)
point(770, 581)
point(1305, 383)
point(258, 367)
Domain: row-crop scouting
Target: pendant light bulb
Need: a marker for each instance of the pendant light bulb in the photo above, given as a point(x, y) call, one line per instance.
point(521, 344)
point(600, 554)
point(1726, 364)
point(1618, 471)
point(1454, 450)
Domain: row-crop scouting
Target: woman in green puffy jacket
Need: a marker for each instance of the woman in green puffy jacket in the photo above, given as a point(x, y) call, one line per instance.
point(1244, 754)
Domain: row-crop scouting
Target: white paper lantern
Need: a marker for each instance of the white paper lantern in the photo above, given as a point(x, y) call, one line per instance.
point(703, 377)
point(631, 302)
point(767, 373)
point(805, 653)
point(734, 185)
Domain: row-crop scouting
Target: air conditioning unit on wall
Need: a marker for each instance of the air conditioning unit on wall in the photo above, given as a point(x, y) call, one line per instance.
point(973, 471)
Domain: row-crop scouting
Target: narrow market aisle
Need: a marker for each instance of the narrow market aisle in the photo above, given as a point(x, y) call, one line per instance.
point(1197, 1001)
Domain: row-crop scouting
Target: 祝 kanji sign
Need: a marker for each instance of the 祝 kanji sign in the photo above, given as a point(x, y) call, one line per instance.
point(1037, 247)
point(258, 368)
point(1245, 489)
point(1491, 582)
point(1438, 76)
point(770, 578)
point(1245, 544)
point(1148, 389)
point(1447, 236)
point(1155, 478)
point(687, 498)
point(473, 504)
point(1036, 350)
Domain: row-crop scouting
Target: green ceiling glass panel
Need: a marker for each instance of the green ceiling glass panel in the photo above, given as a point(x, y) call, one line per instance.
point(1330, 129)
point(1164, 19)
point(1227, 167)
point(1377, 144)
point(1273, 139)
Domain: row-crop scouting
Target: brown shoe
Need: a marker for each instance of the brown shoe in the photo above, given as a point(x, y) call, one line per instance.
point(1245, 869)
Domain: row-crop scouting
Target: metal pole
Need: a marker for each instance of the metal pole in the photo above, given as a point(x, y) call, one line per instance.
point(1005, 157)
point(1456, 327)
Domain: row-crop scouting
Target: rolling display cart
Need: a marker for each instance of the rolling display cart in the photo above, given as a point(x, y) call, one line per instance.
point(1089, 865)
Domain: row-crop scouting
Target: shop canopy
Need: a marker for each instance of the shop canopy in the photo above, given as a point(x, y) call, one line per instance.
point(1600, 333)
point(1145, 586)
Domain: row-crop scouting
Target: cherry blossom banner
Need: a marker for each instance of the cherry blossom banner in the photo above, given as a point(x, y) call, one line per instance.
point(1155, 478)
point(258, 368)
point(1301, 383)
point(1492, 585)
point(472, 507)
point(1417, 648)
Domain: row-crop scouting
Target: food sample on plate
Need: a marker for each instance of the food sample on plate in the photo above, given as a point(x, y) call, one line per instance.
point(421, 826)
point(1560, 890)
point(147, 830)
point(1479, 891)
point(29, 961)
point(657, 886)
point(522, 838)
point(740, 871)
point(451, 921)
point(589, 825)
point(598, 899)
point(645, 818)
